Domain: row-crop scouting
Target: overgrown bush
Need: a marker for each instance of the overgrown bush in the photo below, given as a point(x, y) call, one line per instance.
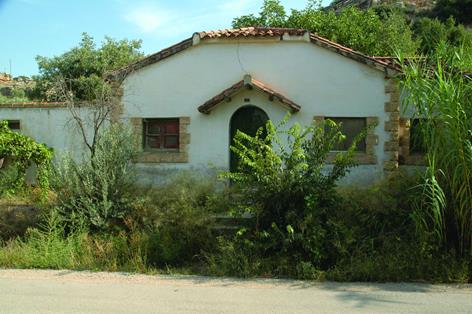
point(178, 217)
point(8, 179)
point(99, 188)
point(291, 190)
point(170, 226)
point(23, 152)
point(431, 33)
point(385, 244)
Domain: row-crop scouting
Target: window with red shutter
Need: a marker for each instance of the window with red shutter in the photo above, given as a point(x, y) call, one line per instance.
point(161, 134)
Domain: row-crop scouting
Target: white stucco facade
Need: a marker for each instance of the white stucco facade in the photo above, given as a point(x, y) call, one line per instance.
point(323, 83)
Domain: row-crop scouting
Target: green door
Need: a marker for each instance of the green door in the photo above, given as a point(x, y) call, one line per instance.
point(248, 120)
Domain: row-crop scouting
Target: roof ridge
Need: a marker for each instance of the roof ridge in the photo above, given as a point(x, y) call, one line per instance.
point(258, 32)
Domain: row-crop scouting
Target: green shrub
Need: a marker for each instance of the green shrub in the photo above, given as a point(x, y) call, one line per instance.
point(178, 217)
point(8, 179)
point(23, 152)
point(99, 188)
point(387, 245)
point(236, 258)
point(291, 191)
point(432, 32)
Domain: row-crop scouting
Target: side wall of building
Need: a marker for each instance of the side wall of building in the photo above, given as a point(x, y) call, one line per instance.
point(52, 126)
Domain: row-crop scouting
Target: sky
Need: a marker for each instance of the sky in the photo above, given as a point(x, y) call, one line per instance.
point(50, 27)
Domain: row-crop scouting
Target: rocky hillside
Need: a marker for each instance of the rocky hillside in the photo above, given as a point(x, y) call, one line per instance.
point(15, 88)
point(411, 5)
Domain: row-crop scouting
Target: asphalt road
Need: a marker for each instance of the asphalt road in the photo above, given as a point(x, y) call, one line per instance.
point(33, 291)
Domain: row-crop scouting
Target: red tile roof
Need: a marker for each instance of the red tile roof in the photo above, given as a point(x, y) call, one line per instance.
point(255, 32)
point(250, 83)
point(252, 32)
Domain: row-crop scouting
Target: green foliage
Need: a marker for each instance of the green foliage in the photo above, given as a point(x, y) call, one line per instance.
point(83, 67)
point(18, 95)
point(440, 93)
point(461, 10)
point(178, 217)
point(290, 190)
point(23, 152)
point(380, 242)
point(169, 226)
point(99, 188)
point(8, 100)
point(432, 32)
point(272, 15)
point(365, 31)
point(52, 245)
point(8, 180)
point(387, 244)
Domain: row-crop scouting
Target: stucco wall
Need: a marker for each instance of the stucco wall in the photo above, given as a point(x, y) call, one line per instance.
point(51, 126)
point(323, 83)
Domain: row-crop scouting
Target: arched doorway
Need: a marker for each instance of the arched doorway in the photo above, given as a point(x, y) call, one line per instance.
point(247, 119)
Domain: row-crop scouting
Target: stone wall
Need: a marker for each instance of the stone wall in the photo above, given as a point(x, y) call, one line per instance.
point(392, 126)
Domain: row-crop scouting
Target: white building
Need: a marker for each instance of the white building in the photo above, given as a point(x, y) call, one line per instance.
point(185, 102)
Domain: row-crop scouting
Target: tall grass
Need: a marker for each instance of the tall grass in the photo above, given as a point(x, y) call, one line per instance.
point(439, 91)
point(51, 246)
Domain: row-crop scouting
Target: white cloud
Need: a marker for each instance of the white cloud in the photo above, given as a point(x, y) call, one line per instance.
point(148, 19)
point(177, 21)
point(236, 6)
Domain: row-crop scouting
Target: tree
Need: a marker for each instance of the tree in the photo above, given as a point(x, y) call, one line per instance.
point(364, 31)
point(367, 31)
point(461, 10)
point(272, 15)
point(83, 67)
point(77, 78)
point(431, 32)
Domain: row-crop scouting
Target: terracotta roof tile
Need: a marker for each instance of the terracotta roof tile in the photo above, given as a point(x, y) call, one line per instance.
point(252, 32)
point(247, 82)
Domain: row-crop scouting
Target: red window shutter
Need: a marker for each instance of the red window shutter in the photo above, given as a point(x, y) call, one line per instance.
point(162, 133)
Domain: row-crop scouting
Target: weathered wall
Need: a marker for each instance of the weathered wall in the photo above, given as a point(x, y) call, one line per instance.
point(52, 126)
point(323, 83)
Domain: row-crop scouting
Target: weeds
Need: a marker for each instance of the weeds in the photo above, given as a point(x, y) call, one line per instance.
point(440, 93)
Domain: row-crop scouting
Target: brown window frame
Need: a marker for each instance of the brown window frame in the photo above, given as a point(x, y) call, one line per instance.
point(162, 134)
point(362, 145)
